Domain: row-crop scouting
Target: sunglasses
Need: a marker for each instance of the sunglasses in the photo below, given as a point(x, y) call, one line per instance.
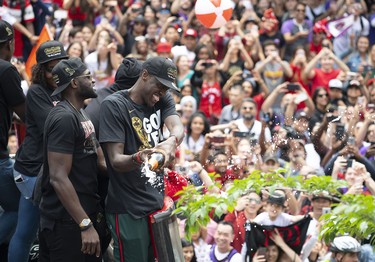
point(300, 10)
point(88, 76)
point(257, 201)
point(247, 108)
point(322, 95)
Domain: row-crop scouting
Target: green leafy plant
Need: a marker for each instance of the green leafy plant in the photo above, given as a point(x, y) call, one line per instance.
point(318, 184)
point(197, 207)
point(355, 215)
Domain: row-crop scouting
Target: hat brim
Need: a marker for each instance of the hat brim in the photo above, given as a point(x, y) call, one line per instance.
point(54, 58)
point(168, 84)
point(276, 203)
point(59, 89)
point(322, 197)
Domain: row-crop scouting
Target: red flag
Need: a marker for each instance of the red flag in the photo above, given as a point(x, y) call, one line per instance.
point(44, 36)
point(259, 236)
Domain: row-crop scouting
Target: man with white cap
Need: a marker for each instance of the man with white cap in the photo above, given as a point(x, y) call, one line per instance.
point(335, 92)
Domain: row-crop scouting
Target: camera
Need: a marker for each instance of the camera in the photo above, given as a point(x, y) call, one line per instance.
point(330, 117)
point(240, 134)
point(340, 131)
point(367, 68)
point(292, 87)
point(351, 140)
point(217, 139)
point(207, 64)
point(349, 163)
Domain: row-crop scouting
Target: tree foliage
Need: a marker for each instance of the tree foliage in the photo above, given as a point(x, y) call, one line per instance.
point(355, 215)
point(197, 208)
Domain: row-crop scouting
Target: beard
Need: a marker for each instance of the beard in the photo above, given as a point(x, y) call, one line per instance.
point(88, 93)
point(248, 117)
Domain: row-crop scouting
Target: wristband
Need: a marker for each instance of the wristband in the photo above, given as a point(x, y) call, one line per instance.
point(137, 158)
point(86, 227)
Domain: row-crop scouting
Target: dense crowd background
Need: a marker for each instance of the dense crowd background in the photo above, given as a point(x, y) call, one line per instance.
point(272, 88)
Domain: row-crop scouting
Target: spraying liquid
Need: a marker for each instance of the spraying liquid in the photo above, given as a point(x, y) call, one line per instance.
point(154, 161)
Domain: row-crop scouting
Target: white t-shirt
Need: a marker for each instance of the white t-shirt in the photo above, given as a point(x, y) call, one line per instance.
point(282, 220)
point(220, 256)
point(4, 15)
point(256, 129)
point(98, 71)
point(179, 50)
point(202, 251)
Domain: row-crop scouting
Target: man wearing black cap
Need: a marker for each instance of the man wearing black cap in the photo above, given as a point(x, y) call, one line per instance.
point(70, 203)
point(131, 124)
point(29, 158)
point(274, 214)
point(12, 100)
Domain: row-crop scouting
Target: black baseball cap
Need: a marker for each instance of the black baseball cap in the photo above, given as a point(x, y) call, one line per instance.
point(6, 32)
point(50, 50)
point(164, 70)
point(277, 198)
point(65, 71)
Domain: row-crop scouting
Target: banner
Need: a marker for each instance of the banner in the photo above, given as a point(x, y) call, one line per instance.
point(44, 36)
point(293, 235)
point(339, 26)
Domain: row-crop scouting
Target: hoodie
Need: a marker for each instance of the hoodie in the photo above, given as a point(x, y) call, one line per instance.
point(126, 76)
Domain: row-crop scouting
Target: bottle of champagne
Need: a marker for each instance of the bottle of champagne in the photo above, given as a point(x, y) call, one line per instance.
point(155, 161)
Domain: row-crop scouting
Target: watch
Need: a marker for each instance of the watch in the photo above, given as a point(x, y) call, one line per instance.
point(85, 223)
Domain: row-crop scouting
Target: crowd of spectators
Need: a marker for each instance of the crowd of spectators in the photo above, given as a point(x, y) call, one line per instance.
point(271, 88)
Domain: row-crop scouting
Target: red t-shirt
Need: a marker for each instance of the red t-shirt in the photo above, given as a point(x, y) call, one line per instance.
point(211, 99)
point(238, 221)
point(75, 13)
point(321, 78)
point(297, 77)
point(315, 49)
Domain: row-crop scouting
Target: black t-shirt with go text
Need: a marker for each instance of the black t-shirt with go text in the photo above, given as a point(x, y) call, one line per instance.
point(137, 127)
point(68, 131)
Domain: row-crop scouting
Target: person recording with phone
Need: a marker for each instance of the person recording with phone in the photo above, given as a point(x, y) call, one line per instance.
point(348, 151)
point(355, 174)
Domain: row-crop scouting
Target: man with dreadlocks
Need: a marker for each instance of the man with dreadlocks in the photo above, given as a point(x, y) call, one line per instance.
point(29, 158)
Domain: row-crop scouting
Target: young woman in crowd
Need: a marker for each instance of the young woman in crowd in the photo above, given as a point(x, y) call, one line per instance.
point(358, 60)
point(209, 80)
point(188, 250)
point(103, 62)
point(184, 73)
point(297, 65)
point(236, 58)
point(197, 128)
point(321, 99)
point(75, 49)
point(188, 107)
point(141, 49)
